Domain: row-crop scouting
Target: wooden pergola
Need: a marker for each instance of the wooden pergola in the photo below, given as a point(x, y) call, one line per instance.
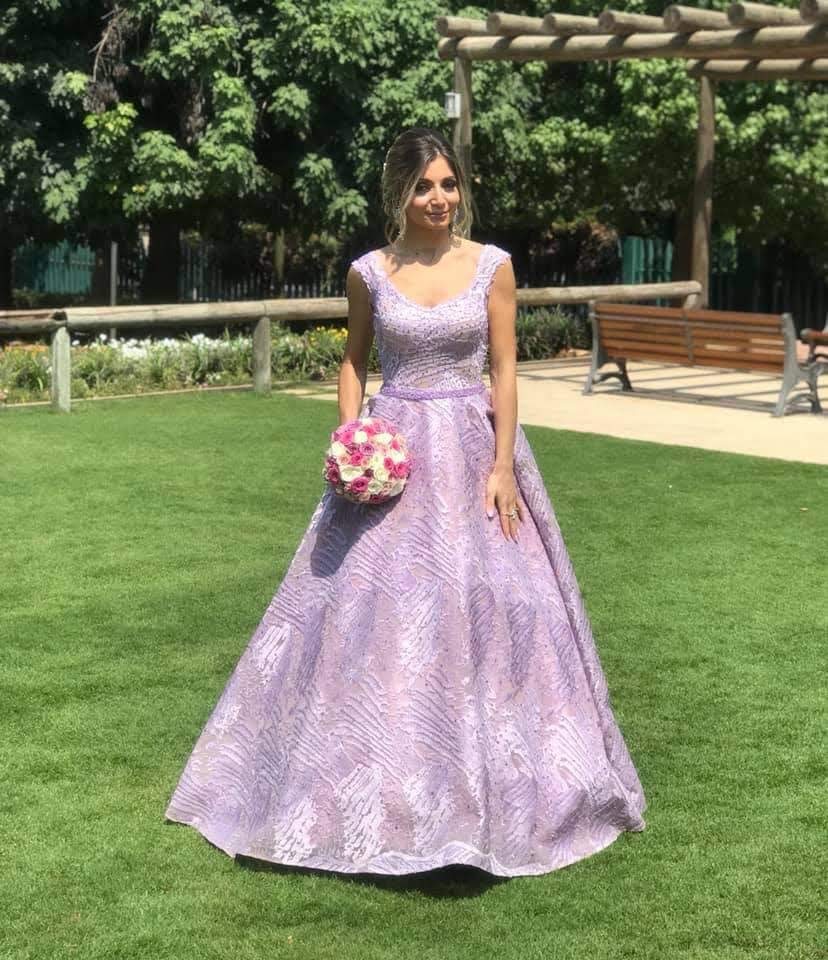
point(750, 41)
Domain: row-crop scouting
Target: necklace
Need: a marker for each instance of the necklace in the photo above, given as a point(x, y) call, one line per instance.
point(419, 251)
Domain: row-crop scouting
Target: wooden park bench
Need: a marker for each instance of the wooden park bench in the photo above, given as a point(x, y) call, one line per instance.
point(724, 339)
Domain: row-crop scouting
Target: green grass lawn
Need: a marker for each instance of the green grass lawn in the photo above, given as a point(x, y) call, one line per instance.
point(141, 542)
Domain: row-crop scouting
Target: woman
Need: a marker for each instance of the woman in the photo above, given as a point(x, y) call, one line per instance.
point(424, 688)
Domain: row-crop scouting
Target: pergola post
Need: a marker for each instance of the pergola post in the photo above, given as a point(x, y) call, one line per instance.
point(703, 188)
point(462, 132)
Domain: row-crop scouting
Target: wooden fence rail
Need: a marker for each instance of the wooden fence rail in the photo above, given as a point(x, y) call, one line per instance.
point(60, 323)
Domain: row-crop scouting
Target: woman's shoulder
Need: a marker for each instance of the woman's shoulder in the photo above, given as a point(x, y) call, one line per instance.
point(495, 252)
point(366, 266)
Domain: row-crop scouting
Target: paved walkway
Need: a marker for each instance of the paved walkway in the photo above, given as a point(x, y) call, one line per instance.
point(688, 406)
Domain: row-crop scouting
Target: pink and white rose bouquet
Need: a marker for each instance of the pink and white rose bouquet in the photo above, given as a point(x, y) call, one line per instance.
point(367, 460)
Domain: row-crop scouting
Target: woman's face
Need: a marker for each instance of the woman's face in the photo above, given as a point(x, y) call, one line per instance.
point(436, 196)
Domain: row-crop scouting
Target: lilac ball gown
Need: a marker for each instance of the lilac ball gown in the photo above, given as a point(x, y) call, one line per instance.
point(420, 691)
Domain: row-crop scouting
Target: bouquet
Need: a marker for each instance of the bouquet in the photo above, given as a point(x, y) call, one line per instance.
point(367, 460)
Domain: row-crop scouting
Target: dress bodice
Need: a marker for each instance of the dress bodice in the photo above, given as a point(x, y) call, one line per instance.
point(443, 346)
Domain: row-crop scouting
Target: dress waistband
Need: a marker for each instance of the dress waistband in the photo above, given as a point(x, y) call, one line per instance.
point(425, 393)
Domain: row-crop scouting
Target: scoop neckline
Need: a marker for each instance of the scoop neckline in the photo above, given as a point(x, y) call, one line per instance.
point(442, 303)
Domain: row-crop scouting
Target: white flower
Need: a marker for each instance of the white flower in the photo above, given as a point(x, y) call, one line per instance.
point(383, 437)
point(360, 436)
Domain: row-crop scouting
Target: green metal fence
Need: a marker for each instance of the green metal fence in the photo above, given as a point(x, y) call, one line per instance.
point(54, 268)
point(772, 279)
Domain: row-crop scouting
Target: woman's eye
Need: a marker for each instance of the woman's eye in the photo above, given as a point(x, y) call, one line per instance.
point(450, 185)
point(422, 187)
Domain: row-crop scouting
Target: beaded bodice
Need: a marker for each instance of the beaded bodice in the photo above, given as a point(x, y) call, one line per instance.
point(443, 346)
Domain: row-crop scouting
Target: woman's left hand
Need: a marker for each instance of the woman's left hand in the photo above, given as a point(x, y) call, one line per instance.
point(502, 497)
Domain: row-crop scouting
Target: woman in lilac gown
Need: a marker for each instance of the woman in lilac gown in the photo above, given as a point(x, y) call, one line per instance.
point(424, 688)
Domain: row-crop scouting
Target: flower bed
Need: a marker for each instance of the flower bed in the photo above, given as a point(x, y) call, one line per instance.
point(105, 367)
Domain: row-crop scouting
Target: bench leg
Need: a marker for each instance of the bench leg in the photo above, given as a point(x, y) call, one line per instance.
point(625, 380)
point(790, 379)
point(597, 360)
point(594, 377)
point(813, 374)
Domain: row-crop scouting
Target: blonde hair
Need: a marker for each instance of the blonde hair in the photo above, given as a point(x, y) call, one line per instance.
point(410, 154)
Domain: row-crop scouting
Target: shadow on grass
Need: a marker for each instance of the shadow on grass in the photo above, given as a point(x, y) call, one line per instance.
point(455, 881)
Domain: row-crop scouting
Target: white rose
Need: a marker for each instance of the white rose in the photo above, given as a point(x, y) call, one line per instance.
point(350, 472)
point(381, 474)
point(383, 437)
point(338, 449)
point(374, 485)
point(396, 455)
point(360, 436)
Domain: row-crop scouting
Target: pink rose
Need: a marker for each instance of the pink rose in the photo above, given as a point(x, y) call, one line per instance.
point(360, 485)
point(401, 469)
point(389, 465)
point(395, 443)
point(366, 449)
point(355, 459)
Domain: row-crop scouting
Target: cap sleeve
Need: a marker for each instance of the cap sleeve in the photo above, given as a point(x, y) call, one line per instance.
point(491, 258)
point(364, 266)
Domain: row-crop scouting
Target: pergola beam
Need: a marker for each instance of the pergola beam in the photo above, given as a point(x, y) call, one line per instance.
point(759, 69)
point(567, 24)
point(460, 27)
point(814, 11)
point(762, 15)
point(681, 19)
point(621, 23)
point(762, 43)
point(511, 25)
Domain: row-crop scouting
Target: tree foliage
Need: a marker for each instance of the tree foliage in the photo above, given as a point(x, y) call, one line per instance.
point(210, 111)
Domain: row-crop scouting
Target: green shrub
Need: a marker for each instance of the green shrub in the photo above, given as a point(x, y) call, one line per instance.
point(104, 367)
point(544, 332)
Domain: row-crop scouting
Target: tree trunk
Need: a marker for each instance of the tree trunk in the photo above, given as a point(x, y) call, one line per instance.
point(163, 260)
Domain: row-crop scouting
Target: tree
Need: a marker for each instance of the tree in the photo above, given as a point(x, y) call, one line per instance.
point(43, 45)
point(170, 136)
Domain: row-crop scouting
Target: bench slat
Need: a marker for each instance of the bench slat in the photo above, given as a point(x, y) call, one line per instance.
point(738, 336)
point(740, 361)
point(604, 307)
point(735, 318)
point(632, 348)
point(643, 330)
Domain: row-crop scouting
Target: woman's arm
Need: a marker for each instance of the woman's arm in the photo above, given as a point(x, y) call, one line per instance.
point(354, 367)
point(501, 491)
